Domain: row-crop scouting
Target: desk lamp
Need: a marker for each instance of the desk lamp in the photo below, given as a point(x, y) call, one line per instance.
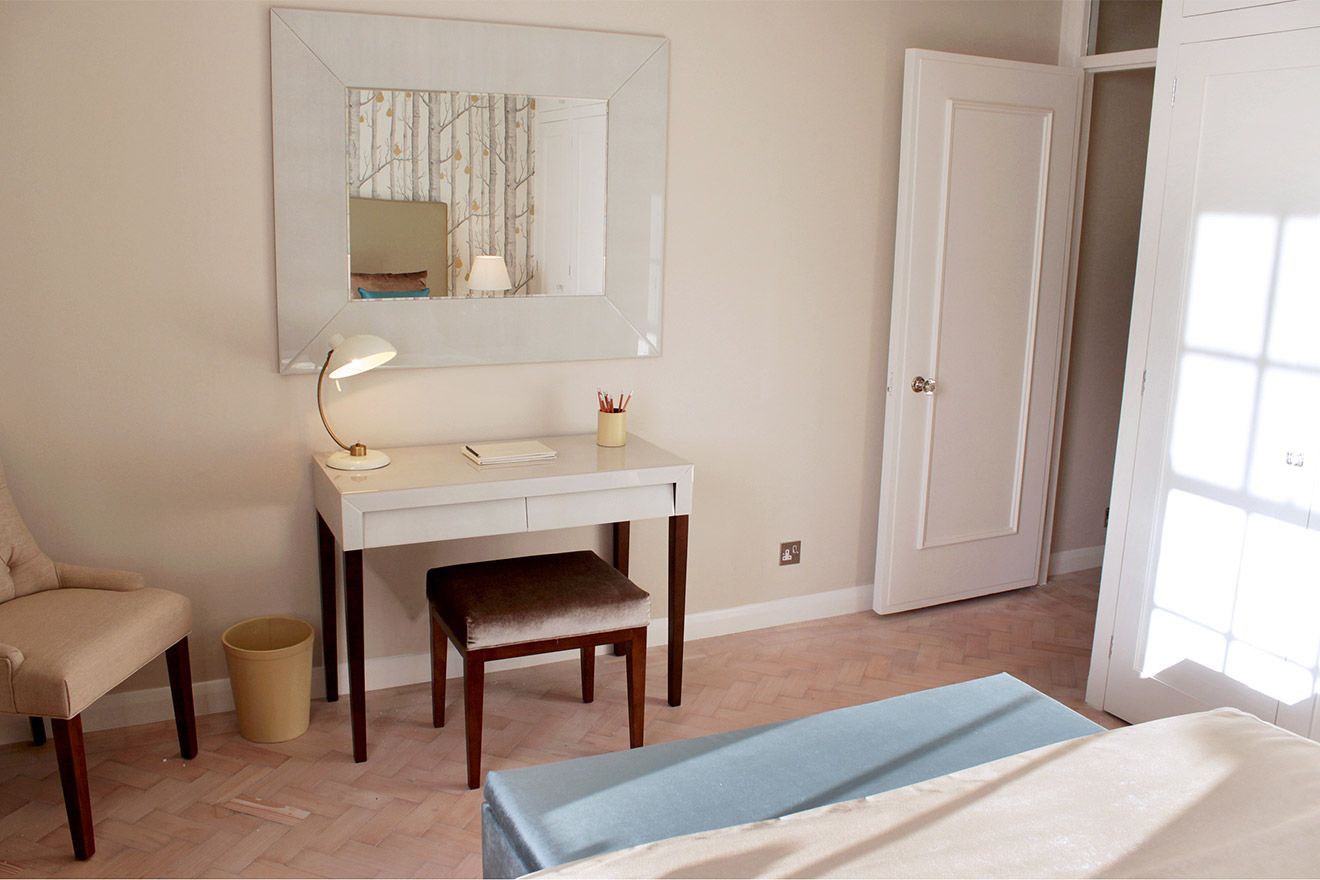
point(348, 357)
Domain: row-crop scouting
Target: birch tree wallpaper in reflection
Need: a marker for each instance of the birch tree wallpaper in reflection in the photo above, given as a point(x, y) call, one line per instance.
point(474, 152)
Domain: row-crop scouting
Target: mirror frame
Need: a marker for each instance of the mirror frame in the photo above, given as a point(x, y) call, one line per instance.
point(316, 56)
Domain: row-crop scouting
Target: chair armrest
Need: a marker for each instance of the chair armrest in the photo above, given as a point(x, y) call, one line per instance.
point(82, 577)
point(10, 659)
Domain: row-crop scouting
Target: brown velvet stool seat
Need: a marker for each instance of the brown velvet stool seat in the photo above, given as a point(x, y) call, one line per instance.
point(534, 605)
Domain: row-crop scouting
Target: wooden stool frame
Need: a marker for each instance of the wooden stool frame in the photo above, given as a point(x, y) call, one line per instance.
point(474, 677)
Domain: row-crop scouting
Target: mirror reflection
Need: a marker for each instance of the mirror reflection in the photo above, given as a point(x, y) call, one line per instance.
point(459, 194)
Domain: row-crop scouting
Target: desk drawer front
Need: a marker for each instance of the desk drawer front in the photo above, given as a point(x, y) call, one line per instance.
point(604, 506)
point(416, 525)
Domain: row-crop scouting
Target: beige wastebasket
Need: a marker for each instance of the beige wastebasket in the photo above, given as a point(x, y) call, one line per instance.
point(270, 671)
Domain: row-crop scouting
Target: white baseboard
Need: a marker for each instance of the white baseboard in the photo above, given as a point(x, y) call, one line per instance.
point(1066, 561)
point(154, 704)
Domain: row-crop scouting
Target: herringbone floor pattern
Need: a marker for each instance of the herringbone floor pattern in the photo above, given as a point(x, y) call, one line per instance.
point(304, 809)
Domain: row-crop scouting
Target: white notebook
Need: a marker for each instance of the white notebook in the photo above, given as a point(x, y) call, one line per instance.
point(509, 452)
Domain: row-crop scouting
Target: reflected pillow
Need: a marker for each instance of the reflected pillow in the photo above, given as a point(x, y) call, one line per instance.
point(388, 281)
point(392, 294)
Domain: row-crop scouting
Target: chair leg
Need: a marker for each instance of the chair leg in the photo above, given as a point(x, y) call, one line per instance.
point(439, 656)
point(474, 684)
point(636, 668)
point(185, 722)
point(38, 730)
point(72, 758)
point(588, 673)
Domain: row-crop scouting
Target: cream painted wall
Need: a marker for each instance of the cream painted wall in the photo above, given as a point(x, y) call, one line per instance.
point(144, 424)
point(1107, 261)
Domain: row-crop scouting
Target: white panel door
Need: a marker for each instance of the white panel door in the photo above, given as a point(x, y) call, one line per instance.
point(556, 207)
point(985, 195)
point(1219, 586)
point(570, 200)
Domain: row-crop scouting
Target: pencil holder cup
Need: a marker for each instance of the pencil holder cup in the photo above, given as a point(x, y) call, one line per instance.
point(611, 428)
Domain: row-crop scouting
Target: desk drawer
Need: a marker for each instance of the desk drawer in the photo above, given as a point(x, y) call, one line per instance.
point(416, 525)
point(603, 506)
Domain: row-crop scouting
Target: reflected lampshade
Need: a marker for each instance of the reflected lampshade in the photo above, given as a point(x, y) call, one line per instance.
point(489, 273)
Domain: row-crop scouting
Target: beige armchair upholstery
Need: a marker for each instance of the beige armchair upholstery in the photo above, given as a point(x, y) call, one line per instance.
point(68, 634)
point(24, 569)
point(73, 644)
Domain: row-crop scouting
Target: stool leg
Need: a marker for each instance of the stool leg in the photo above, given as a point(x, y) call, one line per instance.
point(636, 664)
point(38, 730)
point(588, 673)
point(439, 656)
point(474, 683)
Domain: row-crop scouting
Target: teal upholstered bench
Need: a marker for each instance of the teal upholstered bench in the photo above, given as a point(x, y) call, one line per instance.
point(539, 817)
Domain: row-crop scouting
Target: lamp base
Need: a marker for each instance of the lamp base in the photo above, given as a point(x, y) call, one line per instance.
point(342, 461)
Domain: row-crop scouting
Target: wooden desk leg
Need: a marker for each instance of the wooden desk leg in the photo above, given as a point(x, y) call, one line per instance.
point(325, 546)
point(678, 548)
point(357, 679)
point(622, 537)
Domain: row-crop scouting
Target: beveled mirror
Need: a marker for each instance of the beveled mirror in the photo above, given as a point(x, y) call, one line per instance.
point(407, 148)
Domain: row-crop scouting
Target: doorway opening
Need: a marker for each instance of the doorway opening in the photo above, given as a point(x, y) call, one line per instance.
point(1115, 173)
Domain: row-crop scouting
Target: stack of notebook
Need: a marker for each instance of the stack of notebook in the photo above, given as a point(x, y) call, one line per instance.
point(510, 452)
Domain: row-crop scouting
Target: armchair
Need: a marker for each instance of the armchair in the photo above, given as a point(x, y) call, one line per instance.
point(68, 634)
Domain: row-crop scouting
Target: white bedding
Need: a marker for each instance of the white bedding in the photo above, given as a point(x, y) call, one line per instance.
point(1217, 794)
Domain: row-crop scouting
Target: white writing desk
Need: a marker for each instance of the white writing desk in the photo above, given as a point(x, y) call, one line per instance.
point(434, 493)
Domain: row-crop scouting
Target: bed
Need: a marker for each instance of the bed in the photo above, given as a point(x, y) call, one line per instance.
point(1215, 794)
point(986, 778)
point(551, 814)
point(392, 237)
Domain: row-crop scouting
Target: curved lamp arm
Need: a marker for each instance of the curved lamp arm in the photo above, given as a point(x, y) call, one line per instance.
point(320, 405)
point(348, 357)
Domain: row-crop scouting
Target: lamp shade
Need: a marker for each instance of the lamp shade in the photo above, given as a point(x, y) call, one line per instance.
point(489, 273)
point(357, 354)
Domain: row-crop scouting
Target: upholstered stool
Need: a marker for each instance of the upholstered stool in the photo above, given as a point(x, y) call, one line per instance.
point(534, 605)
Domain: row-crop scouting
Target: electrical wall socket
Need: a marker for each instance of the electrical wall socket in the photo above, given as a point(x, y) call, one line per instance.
point(790, 553)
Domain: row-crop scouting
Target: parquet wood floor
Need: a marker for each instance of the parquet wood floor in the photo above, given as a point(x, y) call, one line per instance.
point(304, 809)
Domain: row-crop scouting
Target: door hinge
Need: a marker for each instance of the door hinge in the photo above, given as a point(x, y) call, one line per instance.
point(1173, 95)
point(1111, 646)
point(1143, 382)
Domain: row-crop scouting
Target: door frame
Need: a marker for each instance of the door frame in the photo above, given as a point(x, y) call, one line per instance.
point(1075, 41)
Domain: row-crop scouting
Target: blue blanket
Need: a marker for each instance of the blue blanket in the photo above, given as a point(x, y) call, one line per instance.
point(538, 817)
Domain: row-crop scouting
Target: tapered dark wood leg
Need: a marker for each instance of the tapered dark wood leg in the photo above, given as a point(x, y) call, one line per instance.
point(185, 722)
point(474, 686)
point(588, 673)
point(622, 541)
point(678, 550)
point(439, 656)
point(357, 674)
point(72, 758)
point(38, 730)
point(325, 547)
point(636, 664)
